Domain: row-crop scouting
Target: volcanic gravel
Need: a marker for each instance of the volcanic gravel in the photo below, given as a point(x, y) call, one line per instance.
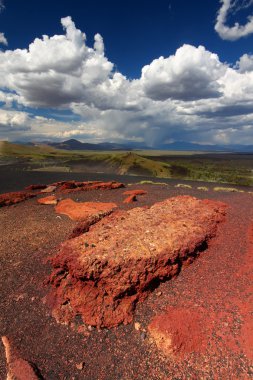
point(218, 281)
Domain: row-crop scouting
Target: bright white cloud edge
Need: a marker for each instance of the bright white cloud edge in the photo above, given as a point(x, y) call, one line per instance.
point(3, 39)
point(236, 31)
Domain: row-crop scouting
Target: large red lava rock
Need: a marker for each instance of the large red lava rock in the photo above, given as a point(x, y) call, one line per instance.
point(18, 368)
point(83, 210)
point(102, 274)
point(8, 199)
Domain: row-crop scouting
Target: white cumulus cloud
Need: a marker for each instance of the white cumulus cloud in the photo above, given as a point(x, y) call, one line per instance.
point(16, 120)
point(55, 71)
point(190, 95)
point(245, 63)
point(236, 31)
point(192, 73)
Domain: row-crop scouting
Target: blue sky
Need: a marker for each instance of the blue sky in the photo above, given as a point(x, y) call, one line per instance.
point(160, 71)
point(134, 32)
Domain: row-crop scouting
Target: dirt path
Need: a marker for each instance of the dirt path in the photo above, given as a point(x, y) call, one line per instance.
point(216, 289)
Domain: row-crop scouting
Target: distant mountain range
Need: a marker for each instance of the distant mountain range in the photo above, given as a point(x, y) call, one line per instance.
point(73, 144)
point(185, 146)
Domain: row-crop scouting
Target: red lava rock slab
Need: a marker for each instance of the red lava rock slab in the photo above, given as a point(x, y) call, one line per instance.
point(130, 199)
point(181, 331)
point(50, 200)
point(135, 192)
point(83, 210)
point(102, 274)
point(9, 199)
point(18, 368)
point(73, 186)
point(105, 186)
point(68, 185)
point(35, 187)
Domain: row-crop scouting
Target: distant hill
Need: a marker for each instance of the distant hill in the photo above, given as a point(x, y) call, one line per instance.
point(25, 150)
point(196, 164)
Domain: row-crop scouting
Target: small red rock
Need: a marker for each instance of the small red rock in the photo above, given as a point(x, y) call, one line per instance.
point(81, 211)
point(135, 192)
point(49, 189)
point(80, 366)
point(137, 326)
point(50, 200)
point(130, 199)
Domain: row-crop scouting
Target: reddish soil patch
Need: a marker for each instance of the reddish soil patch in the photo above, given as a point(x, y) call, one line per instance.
point(101, 275)
point(50, 200)
point(181, 331)
point(8, 199)
point(80, 211)
point(245, 301)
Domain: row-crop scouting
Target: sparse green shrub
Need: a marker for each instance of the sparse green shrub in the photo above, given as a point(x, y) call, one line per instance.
point(203, 188)
point(151, 183)
point(228, 189)
point(184, 186)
